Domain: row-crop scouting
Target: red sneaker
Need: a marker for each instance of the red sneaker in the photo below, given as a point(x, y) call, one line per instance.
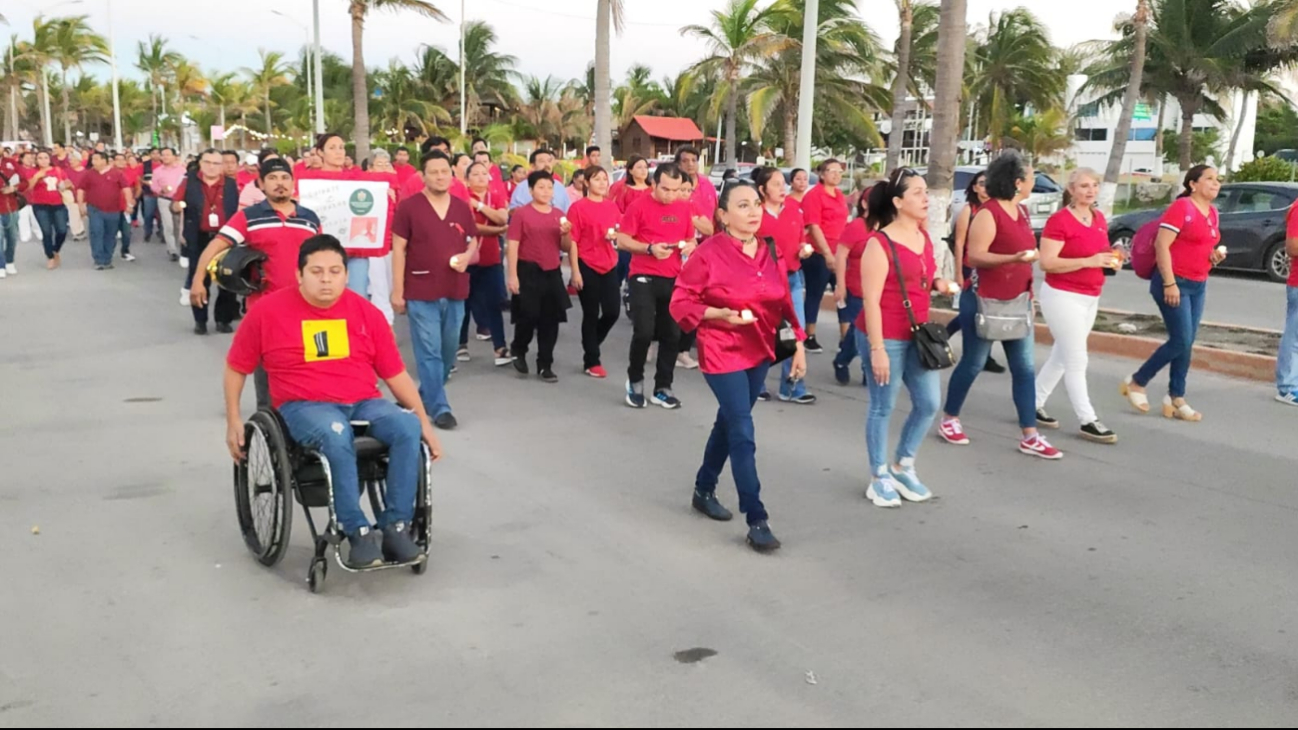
point(597, 372)
point(951, 431)
point(1038, 446)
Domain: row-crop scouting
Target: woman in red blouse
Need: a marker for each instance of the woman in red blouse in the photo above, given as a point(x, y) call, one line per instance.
point(1001, 250)
point(1187, 250)
point(782, 223)
point(595, 219)
point(825, 212)
point(44, 191)
point(487, 277)
point(735, 293)
point(898, 209)
point(1075, 252)
point(538, 232)
point(626, 191)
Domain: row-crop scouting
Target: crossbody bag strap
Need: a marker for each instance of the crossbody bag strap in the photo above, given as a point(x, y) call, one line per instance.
point(901, 280)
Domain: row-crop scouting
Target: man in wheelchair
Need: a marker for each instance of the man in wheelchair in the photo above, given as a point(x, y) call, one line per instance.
point(321, 346)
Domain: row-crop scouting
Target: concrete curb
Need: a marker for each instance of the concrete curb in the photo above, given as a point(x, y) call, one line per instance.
point(1225, 362)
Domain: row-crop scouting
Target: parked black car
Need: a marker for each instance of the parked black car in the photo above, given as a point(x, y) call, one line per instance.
point(1252, 226)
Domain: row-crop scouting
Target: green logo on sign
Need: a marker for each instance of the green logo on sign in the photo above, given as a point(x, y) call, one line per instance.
point(361, 202)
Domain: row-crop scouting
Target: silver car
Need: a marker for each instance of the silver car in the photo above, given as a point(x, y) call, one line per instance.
point(1047, 195)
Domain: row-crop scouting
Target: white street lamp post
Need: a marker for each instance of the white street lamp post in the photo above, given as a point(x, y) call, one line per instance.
point(117, 105)
point(807, 86)
point(319, 72)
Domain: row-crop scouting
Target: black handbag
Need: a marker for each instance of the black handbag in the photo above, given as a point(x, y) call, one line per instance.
point(930, 339)
point(786, 338)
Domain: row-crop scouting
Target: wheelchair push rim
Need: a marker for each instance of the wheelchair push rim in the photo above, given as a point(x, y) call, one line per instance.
point(263, 484)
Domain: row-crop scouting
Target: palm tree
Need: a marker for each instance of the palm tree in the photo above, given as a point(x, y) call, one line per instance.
point(946, 117)
point(1140, 32)
point(360, 93)
point(608, 19)
point(272, 72)
point(401, 107)
point(900, 81)
point(223, 90)
point(488, 74)
point(40, 53)
point(1015, 67)
point(157, 62)
point(737, 36)
point(539, 111)
point(1043, 134)
point(74, 45)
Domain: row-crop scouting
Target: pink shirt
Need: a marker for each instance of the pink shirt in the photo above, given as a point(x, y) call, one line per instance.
point(167, 177)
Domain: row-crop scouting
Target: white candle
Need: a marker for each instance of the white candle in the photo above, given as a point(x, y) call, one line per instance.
point(455, 261)
point(563, 220)
point(746, 315)
point(808, 249)
point(682, 245)
point(953, 288)
point(1032, 255)
point(612, 232)
point(1221, 250)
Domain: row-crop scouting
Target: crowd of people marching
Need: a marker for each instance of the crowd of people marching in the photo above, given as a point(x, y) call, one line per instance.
point(736, 276)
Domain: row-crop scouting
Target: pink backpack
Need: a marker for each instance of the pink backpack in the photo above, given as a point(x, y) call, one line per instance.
point(1143, 258)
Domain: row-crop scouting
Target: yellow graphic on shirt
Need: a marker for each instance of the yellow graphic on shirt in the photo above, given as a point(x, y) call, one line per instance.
point(325, 339)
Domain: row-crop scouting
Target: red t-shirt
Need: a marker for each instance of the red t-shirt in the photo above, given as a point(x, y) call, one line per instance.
point(704, 197)
point(538, 234)
point(431, 241)
point(1012, 236)
point(319, 355)
point(786, 229)
point(404, 171)
point(415, 183)
point(626, 196)
point(1196, 236)
point(591, 222)
point(918, 271)
point(1291, 232)
point(649, 221)
point(243, 178)
point(277, 235)
point(104, 190)
point(721, 275)
point(830, 213)
point(45, 191)
point(8, 201)
point(1080, 242)
point(854, 237)
point(488, 246)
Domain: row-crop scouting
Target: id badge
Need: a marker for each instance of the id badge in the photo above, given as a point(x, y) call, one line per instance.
point(212, 220)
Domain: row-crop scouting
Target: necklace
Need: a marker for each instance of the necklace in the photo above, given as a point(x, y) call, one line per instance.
point(1086, 218)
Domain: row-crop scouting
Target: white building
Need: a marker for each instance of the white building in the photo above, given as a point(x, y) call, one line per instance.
point(1094, 127)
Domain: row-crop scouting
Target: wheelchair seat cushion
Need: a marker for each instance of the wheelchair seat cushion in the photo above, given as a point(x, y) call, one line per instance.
point(368, 448)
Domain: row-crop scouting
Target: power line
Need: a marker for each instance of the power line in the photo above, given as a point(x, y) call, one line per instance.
point(543, 11)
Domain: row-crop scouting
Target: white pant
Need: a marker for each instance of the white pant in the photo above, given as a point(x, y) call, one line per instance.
point(1070, 317)
point(27, 226)
point(76, 226)
point(381, 286)
point(168, 225)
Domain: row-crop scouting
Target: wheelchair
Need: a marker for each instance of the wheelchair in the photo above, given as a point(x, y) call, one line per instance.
point(274, 467)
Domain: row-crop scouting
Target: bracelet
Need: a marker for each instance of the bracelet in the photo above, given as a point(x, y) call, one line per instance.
point(878, 348)
point(1169, 286)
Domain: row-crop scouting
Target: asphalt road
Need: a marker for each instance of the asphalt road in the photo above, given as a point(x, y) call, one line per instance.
point(1148, 583)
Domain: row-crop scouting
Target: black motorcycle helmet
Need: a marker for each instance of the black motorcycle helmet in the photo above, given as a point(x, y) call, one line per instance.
point(238, 270)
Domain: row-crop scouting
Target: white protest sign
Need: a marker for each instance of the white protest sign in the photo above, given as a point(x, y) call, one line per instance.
point(355, 212)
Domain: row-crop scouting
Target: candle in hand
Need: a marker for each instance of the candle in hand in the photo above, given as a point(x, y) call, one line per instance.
point(746, 315)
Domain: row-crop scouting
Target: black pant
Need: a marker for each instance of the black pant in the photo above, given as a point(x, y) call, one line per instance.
point(651, 319)
point(818, 275)
point(600, 297)
point(546, 329)
point(227, 304)
point(539, 308)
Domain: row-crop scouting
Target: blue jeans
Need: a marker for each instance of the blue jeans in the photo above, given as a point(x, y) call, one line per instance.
point(1022, 363)
point(53, 222)
point(817, 275)
point(358, 275)
point(925, 388)
point(799, 292)
point(486, 290)
point(1182, 324)
point(124, 228)
point(326, 427)
point(734, 438)
point(435, 330)
point(149, 209)
point(1286, 365)
point(8, 237)
point(103, 234)
point(847, 348)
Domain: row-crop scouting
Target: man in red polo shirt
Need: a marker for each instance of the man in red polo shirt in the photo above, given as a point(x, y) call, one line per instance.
point(132, 176)
point(322, 346)
point(434, 237)
point(104, 194)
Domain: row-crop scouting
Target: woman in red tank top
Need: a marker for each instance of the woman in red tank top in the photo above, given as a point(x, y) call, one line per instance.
point(897, 267)
point(1001, 249)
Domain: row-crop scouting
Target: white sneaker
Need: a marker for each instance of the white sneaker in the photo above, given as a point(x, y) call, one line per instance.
point(184, 262)
point(3, 273)
point(184, 297)
point(684, 360)
point(11, 269)
point(128, 257)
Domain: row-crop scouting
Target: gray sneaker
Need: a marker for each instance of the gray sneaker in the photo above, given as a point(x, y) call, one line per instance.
point(398, 545)
point(366, 549)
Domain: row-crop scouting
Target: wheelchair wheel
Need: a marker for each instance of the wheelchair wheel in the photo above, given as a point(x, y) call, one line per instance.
point(262, 485)
point(315, 578)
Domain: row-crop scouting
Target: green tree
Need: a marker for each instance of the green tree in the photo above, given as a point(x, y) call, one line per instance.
point(270, 73)
point(1015, 67)
point(156, 61)
point(73, 45)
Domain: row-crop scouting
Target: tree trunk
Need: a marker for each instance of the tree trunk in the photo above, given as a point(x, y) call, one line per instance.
point(1185, 145)
point(46, 122)
point(946, 120)
point(269, 128)
point(243, 129)
point(899, 87)
point(790, 130)
point(1158, 139)
point(732, 111)
point(603, 94)
point(67, 110)
point(1229, 164)
point(360, 92)
point(1109, 189)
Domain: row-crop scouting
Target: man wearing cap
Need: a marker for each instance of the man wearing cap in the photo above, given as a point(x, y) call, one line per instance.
point(247, 174)
point(277, 227)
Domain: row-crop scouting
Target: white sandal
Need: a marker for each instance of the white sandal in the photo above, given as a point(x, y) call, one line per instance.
point(1182, 412)
point(1138, 400)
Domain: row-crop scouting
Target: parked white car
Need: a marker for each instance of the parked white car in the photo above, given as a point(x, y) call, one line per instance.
point(1047, 195)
